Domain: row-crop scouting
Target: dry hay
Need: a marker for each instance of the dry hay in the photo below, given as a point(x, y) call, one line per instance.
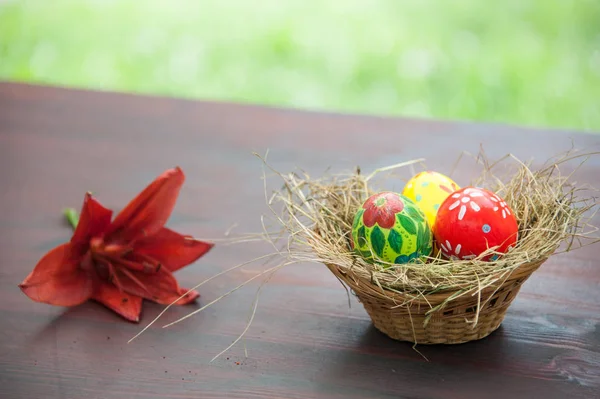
point(317, 215)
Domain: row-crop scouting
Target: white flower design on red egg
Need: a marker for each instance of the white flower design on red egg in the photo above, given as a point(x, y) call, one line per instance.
point(467, 197)
point(501, 205)
point(453, 253)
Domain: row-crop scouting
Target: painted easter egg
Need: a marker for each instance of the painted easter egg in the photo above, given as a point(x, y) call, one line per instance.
point(471, 220)
point(390, 227)
point(428, 190)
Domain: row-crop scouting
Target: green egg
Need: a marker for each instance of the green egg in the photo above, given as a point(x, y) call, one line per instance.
point(391, 227)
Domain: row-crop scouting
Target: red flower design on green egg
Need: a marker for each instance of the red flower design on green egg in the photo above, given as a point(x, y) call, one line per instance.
point(381, 209)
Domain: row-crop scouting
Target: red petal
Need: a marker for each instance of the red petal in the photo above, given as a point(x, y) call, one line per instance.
point(160, 287)
point(147, 213)
point(192, 296)
point(394, 203)
point(58, 280)
point(171, 249)
point(93, 221)
point(383, 216)
point(122, 303)
point(370, 202)
point(387, 218)
point(370, 216)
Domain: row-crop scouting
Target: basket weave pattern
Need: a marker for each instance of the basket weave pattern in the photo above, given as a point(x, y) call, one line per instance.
point(458, 322)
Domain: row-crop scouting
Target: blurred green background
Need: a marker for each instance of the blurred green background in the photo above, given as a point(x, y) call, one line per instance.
point(525, 62)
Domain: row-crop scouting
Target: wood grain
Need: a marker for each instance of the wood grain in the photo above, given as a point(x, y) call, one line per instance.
point(55, 144)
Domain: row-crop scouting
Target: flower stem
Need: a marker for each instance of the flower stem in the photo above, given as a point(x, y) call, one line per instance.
point(72, 217)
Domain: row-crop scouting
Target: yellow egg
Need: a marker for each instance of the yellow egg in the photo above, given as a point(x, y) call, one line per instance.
point(428, 190)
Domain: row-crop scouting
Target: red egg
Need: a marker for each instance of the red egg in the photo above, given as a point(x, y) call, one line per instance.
point(471, 220)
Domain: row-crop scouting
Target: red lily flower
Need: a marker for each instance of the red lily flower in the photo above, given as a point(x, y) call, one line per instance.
point(120, 262)
point(382, 209)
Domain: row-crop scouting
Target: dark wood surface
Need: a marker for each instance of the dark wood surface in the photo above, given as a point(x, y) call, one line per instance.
point(56, 144)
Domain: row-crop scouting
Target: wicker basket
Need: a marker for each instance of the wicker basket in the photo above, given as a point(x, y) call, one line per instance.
point(456, 323)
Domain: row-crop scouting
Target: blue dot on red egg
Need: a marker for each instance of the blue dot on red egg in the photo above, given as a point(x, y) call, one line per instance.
point(486, 228)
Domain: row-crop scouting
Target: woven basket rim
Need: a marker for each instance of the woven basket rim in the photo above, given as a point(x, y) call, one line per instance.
point(354, 281)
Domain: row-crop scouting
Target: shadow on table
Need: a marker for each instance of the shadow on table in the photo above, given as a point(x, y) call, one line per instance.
point(386, 366)
point(376, 341)
point(92, 319)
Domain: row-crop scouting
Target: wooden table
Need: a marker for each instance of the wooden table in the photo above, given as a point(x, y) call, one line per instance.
point(56, 144)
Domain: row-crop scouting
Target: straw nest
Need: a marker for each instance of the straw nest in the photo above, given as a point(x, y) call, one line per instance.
point(317, 215)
